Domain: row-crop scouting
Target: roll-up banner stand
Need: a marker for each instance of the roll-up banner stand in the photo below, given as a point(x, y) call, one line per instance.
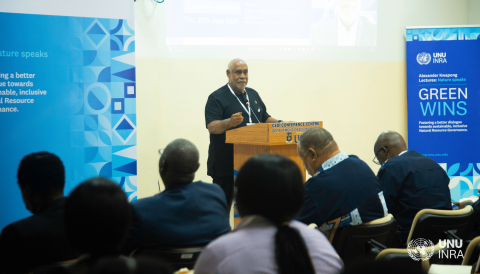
point(67, 86)
point(443, 98)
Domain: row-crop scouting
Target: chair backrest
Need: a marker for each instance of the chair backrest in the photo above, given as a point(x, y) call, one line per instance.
point(177, 258)
point(400, 256)
point(351, 242)
point(432, 223)
point(472, 252)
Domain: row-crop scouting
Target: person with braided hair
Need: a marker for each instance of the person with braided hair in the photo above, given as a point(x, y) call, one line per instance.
point(268, 240)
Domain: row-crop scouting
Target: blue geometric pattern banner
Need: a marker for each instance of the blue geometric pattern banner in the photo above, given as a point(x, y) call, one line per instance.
point(107, 104)
point(67, 86)
point(464, 180)
point(443, 99)
point(442, 34)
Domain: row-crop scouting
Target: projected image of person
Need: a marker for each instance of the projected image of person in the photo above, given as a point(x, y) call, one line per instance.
point(348, 28)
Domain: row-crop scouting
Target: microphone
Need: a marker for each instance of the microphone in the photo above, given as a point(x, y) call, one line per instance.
point(253, 111)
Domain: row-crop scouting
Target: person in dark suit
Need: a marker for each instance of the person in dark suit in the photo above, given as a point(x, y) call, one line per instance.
point(348, 28)
point(411, 182)
point(343, 190)
point(39, 239)
point(186, 213)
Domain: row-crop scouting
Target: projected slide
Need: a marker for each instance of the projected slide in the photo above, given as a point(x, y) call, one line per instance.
point(307, 23)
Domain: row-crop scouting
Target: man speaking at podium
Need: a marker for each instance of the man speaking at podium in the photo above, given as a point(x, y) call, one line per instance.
point(229, 107)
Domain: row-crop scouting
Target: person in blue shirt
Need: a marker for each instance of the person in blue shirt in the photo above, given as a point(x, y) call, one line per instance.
point(342, 191)
point(186, 213)
point(411, 181)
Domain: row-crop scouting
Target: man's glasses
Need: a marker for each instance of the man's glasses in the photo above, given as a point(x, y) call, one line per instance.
point(375, 160)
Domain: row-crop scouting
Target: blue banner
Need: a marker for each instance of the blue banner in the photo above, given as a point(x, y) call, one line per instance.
point(443, 96)
point(67, 86)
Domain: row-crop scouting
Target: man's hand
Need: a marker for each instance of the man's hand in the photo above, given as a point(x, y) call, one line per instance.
point(219, 127)
point(236, 119)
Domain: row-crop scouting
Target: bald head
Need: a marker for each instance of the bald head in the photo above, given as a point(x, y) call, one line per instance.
point(317, 138)
point(237, 73)
point(234, 62)
point(316, 146)
point(179, 162)
point(389, 144)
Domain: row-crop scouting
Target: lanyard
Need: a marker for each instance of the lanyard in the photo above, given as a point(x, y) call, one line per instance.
point(248, 100)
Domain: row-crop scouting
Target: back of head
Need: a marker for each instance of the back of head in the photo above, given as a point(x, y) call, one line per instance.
point(319, 139)
point(271, 186)
point(97, 217)
point(391, 139)
point(179, 162)
point(43, 172)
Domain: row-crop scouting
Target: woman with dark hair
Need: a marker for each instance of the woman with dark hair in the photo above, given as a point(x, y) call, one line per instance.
point(97, 220)
point(269, 196)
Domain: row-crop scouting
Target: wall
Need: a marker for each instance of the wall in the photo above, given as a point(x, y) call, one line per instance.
point(357, 100)
point(474, 12)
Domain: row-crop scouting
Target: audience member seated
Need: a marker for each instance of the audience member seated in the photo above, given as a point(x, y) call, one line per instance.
point(269, 196)
point(411, 182)
point(342, 191)
point(186, 213)
point(39, 239)
point(97, 220)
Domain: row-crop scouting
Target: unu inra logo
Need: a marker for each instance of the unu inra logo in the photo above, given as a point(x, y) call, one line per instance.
point(424, 58)
point(420, 249)
point(423, 249)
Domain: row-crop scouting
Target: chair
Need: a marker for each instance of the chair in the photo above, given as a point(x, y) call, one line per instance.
point(177, 258)
point(472, 253)
point(360, 241)
point(433, 224)
point(395, 256)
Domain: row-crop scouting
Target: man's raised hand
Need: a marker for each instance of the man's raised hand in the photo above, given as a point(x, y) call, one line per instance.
point(236, 119)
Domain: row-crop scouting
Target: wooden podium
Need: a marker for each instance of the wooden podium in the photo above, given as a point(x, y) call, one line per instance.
point(279, 138)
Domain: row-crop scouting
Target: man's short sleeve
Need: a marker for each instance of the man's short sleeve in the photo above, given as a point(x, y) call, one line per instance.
point(213, 110)
point(262, 105)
